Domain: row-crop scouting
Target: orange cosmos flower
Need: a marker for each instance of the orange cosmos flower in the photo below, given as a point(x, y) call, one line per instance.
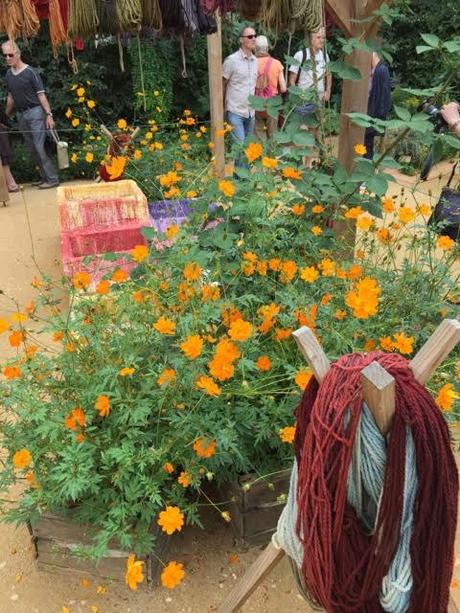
point(291, 173)
point(116, 167)
point(192, 347)
point(229, 315)
point(248, 268)
point(172, 575)
point(283, 333)
point(210, 292)
point(388, 205)
point(134, 574)
point(166, 376)
point(169, 179)
point(318, 208)
point(75, 418)
point(208, 385)
point(4, 325)
point(325, 299)
point(22, 458)
point(288, 270)
point(139, 253)
point(327, 267)
point(298, 209)
point(404, 344)
point(192, 271)
point(287, 434)
point(406, 214)
point(354, 212)
point(370, 345)
point(103, 287)
point(262, 268)
point(171, 520)
point(172, 231)
point(355, 271)
point(364, 299)
point(270, 163)
point(386, 343)
point(424, 209)
point(303, 377)
point(364, 222)
point(204, 448)
point(309, 274)
point(446, 397)
point(184, 479)
point(340, 314)
point(253, 151)
point(12, 372)
point(102, 405)
point(120, 275)
point(227, 188)
point(16, 338)
point(249, 255)
point(445, 243)
point(126, 371)
point(274, 264)
point(360, 149)
point(263, 363)
point(165, 326)
point(221, 369)
point(168, 468)
point(240, 330)
point(316, 230)
point(81, 280)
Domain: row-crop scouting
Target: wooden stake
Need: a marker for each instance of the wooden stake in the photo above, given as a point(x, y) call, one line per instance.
point(379, 395)
point(436, 349)
point(216, 101)
point(312, 352)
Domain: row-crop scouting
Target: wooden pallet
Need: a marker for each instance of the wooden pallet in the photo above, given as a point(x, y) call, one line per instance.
point(57, 538)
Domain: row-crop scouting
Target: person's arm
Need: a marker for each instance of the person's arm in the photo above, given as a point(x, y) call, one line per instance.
point(224, 89)
point(327, 91)
point(451, 114)
point(282, 82)
point(9, 105)
point(292, 78)
point(49, 121)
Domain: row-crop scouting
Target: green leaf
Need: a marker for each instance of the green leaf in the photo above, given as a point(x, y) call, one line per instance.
point(377, 184)
point(148, 233)
point(258, 104)
point(431, 39)
point(304, 138)
point(423, 49)
point(402, 113)
point(451, 46)
point(282, 137)
point(437, 150)
point(452, 141)
point(360, 119)
point(344, 70)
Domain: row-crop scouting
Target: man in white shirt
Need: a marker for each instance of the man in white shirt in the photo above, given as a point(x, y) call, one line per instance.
point(315, 77)
point(239, 81)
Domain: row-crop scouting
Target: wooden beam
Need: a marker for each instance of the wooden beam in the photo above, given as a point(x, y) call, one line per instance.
point(312, 352)
point(342, 14)
point(435, 350)
point(379, 394)
point(216, 101)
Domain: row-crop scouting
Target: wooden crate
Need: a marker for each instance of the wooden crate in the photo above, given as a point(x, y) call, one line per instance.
point(56, 538)
point(256, 505)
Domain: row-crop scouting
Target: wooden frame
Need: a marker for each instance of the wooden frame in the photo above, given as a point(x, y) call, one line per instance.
point(378, 393)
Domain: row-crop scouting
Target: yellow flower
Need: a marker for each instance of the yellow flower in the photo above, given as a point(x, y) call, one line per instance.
point(253, 151)
point(127, 372)
point(137, 154)
point(318, 208)
point(166, 376)
point(227, 188)
point(445, 242)
point(68, 113)
point(298, 209)
point(388, 204)
point(170, 520)
point(404, 344)
point(171, 232)
point(327, 267)
point(364, 222)
point(240, 330)
point(89, 157)
point(192, 347)
point(75, 122)
point(316, 230)
point(354, 212)
point(80, 92)
point(191, 194)
point(406, 214)
point(303, 377)
point(270, 163)
point(81, 280)
point(134, 574)
point(424, 209)
point(73, 158)
point(172, 575)
point(309, 274)
point(139, 253)
point(208, 385)
point(184, 479)
point(287, 434)
point(122, 124)
point(91, 104)
point(165, 326)
point(446, 397)
point(386, 343)
point(360, 149)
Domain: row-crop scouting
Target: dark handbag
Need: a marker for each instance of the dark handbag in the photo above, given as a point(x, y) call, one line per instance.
point(446, 213)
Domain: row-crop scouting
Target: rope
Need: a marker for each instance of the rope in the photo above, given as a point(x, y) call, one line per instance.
point(360, 529)
point(129, 15)
point(83, 20)
point(18, 18)
point(275, 15)
point(309, 14)
point(141, 72)
point(182, 53)
point(151, 15)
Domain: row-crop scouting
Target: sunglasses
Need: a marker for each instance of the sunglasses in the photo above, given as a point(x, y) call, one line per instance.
point(251, 36)
point(8, 55)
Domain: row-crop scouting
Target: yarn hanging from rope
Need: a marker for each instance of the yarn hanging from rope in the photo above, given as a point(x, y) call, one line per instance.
point(309, 14)
point(209, 7)
point(107, 17)
point(151, 15)
point(367, 535)
point(58, 34)
point(250, 9)
point(83, 20)
point(172, 16)
point(129, 15)
point(18, 18)
point(275, 15)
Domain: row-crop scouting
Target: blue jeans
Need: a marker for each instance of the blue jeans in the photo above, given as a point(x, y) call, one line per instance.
point(242, 127)
point(32, 124)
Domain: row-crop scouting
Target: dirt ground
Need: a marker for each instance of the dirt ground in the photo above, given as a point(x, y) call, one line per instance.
point(212, 558)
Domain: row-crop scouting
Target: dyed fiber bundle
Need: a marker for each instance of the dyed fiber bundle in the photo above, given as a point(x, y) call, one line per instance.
point(308, 13)
point(42, 8)
point(275, 15)
point(18, 18)
point(209, 7)
point(83, 20)
point(58, 34)
point(151, 15)
point(64, 11)
point(129, 15)
point(172, 16)
point(107, 17)
point(373, 514)
point(250, 9)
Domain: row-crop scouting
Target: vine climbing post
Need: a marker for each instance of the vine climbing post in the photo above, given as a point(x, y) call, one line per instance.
point(216, 102)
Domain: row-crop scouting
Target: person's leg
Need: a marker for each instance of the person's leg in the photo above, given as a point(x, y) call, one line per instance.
point(272, 126)
point(6, 155)
point(260, 128)
point(236, 121)
point(36, 121)
point(10, 182)
point(249, 123)
point(26, 130)
point(369, 143)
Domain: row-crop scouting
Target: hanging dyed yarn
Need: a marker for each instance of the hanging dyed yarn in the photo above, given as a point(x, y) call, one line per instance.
point(250, 9)
point(172, 15)
point(58, 34)
point(18, 18)
point(309, 14)
point(276, 15)
point(151, 15)
point(129, 15)
point(83, 20)
point(209, 7)
point(371, 523)
point(107, 17)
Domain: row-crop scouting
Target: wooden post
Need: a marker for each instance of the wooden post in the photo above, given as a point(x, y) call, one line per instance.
point(216, 101)
point(436, 349)
point(379, 394)
point(4, 196)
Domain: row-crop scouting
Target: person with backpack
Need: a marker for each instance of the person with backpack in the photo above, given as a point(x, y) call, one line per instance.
point(310, 73)
point(379, 101)
point(270, 82)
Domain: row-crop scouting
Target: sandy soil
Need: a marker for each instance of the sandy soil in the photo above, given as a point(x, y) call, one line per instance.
point(211, 573)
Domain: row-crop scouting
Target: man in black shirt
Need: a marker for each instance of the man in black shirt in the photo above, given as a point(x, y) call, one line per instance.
point(26, 95)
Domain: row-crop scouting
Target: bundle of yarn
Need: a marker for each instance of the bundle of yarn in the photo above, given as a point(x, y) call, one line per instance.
point(370, 520)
